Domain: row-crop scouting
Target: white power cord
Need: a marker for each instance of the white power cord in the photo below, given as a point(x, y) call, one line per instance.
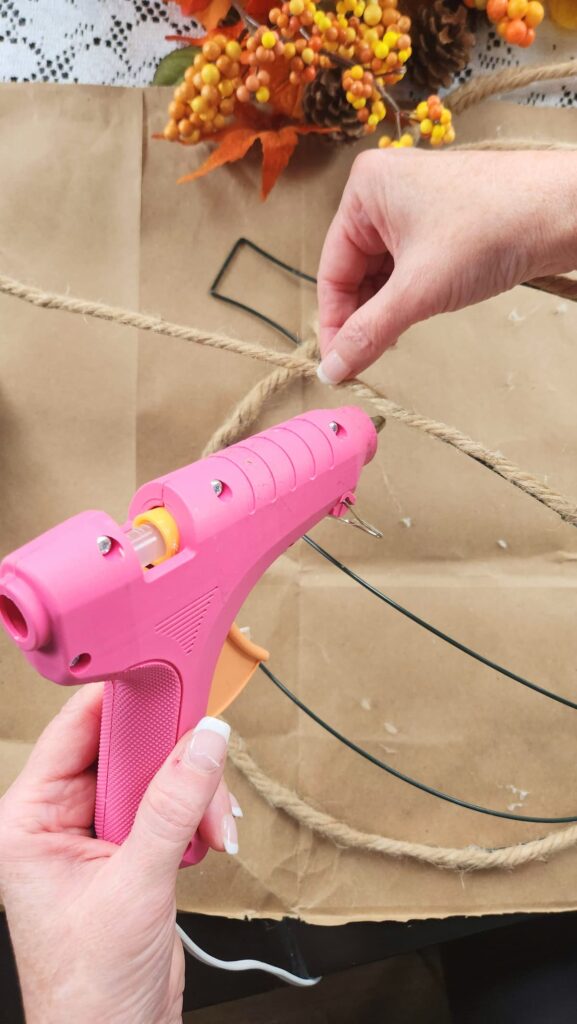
point(242, 965)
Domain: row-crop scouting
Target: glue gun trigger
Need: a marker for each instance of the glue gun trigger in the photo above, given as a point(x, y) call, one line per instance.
point(238, 661)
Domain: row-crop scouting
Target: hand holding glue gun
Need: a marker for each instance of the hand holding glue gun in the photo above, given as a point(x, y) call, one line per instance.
point(148, 606)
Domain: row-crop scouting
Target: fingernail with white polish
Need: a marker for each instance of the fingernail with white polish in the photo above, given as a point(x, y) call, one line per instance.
point(333, 369)
point(206, 750)
point(230, 835)
point(235, 807)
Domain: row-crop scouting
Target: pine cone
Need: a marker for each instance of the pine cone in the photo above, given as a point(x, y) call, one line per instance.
point(325, 104)
point(441, 42)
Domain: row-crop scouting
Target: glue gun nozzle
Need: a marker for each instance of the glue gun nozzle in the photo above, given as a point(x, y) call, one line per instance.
point(378, 423)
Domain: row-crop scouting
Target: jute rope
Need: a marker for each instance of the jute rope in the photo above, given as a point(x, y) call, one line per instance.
point(296, 366)
point(288, 369)
point(468, 858)
point(502, 82)
point(563, 287)
point(291, 368)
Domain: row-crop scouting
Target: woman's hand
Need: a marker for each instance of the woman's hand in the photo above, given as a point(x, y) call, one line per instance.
point(93, 924)
point(423, 233)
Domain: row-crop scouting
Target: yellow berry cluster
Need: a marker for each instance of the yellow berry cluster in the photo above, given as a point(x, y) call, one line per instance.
point(516, 20)
point(376, 35)
point(405, 141)
point(363, 95)
point(206, 99)
point(435, 122)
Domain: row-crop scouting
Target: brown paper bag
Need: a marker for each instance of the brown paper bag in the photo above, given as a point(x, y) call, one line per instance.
point(88, 411)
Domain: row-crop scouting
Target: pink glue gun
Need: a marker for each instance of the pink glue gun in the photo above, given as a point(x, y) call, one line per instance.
point(150, 606)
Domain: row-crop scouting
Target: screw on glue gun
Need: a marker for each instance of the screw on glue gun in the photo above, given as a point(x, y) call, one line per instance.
point(150, 606)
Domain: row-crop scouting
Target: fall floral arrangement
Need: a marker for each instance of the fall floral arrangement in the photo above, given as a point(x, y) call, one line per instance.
point(274, 73)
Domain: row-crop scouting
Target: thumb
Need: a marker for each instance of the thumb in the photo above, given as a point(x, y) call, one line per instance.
point(374, 327)
point(174, 803)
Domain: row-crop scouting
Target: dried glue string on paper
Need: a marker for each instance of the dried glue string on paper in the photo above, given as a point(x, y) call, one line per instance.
point(238, 246)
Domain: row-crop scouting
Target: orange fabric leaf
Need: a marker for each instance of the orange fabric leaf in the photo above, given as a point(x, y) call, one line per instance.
point(234, 144)
point(278, 146)
point(230, 31)
point(209, 14)
point(259, 9)
point(277, 149)
point(285, 97)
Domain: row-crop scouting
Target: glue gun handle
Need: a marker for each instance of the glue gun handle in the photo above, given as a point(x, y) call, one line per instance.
point(139, 728)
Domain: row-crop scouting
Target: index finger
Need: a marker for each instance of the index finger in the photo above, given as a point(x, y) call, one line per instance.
point(69, 743)
point(353, 252)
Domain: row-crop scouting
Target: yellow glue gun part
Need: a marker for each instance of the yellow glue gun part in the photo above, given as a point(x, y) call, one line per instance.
point(162, 521)
point(238, 662)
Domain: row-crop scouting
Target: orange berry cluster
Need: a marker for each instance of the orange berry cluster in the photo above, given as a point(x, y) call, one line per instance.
point(369, 37)
point(435, 122)
point(377, 36)
point(516, 20)
point(299, 51)
point(206, 99)
point(261, 49)
point(371, 34)
point(364, 96)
